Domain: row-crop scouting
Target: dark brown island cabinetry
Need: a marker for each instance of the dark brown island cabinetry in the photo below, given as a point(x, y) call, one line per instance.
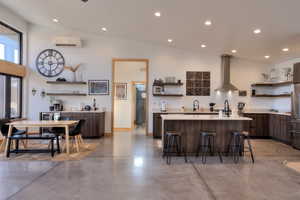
point(263, 125)
point(94, 125)
point(157, 123)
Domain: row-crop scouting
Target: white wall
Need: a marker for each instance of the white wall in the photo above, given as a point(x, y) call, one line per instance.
point(126, 72)
point(98, 51)
point(9, 17)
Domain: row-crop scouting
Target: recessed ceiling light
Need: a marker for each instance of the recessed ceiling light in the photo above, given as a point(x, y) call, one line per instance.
point(55, 20)
point(285, 49)
point(104, 29)
point(157, 14)
point(257, 31)
point(233, 51)
point(207, 23)
point(170, 40)
point(267, 57)
point(203, 45)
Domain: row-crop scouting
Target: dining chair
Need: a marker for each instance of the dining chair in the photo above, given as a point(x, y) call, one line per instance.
point(75, 135)
point(4, 128)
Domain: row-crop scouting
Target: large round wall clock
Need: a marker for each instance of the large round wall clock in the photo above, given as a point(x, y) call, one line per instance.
point(50, 63)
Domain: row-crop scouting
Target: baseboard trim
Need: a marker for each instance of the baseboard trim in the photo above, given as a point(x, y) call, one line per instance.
point(122, 129)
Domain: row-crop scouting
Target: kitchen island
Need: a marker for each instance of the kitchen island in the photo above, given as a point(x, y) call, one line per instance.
point(190, 127)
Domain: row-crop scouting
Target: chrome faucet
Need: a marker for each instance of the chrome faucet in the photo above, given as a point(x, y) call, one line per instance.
point(195, 105)
point(226, 108)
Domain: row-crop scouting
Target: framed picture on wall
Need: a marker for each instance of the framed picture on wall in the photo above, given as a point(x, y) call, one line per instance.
point(98, 87)
point(121, 91)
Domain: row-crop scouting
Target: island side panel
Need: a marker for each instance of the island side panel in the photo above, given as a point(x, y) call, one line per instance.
point(191, 129)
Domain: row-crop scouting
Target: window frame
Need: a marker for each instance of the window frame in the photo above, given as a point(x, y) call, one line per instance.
point(20, 41)
point(8, 78)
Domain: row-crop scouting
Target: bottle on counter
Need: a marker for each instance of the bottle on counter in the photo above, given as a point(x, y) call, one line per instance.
point(220, 113)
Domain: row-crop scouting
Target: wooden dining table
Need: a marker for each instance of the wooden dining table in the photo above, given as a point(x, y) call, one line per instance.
point(43, 124)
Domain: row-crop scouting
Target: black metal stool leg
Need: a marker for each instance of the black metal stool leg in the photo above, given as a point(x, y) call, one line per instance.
point(52, 147)
point(57, 144)
point(236, 149)
point(169, 149)
point(250, 148)
point(17, 146)
point(205, 151)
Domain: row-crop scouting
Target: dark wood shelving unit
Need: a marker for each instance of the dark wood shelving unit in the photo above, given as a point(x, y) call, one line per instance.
point(275, 84)
point(271, 95)
point(65, 94)
point(170, 84)
point(168, 95)
point(67, 82)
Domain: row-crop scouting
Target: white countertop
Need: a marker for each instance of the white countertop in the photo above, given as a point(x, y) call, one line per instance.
point(204, 117)
point(204, 111)
point(75, 111)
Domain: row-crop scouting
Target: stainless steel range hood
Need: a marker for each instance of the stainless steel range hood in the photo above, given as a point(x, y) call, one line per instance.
point(226, 85)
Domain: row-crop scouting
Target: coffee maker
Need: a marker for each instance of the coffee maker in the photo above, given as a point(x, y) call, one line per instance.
point(58, 105)
point(241, 106)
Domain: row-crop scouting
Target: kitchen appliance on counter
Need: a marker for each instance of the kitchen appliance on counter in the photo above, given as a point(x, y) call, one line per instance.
point(295, 102)
point(196, 105)
point(163, 106)
point(58, 105)
point(241, 106)
point(227, 110)
point(87, 108)
point(211, 107)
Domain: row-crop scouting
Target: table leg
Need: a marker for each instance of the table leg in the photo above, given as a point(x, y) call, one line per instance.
point(7, 140)
point(67, 140)
point(163, 135)
point(26, 141)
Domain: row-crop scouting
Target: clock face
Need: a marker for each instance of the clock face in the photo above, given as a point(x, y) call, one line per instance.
point(50, 63)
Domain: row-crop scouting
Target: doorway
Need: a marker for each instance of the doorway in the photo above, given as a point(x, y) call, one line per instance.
point(130, 96)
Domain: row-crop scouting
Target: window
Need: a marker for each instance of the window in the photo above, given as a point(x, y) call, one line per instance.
point(16, 56)
point(15, 97)
point(2, 96)
point(10, 86)
point(2, 51)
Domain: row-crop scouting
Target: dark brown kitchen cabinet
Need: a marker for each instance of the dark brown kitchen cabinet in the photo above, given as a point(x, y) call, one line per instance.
point(258, 127)
point(157, 123)
point(279, 128)
point(94, 126)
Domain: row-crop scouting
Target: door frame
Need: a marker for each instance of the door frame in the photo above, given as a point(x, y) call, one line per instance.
point(146, 61)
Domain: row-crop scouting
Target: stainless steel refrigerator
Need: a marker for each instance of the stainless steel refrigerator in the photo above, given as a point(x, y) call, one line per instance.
point(295, 103)
point(296, 92)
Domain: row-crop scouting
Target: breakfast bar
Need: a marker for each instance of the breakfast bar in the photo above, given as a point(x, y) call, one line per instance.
point(190, 126)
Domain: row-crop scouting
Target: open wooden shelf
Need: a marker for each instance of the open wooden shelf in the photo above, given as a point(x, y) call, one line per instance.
point(67, 82)
point(168, 95)
point(271, 84)
point(271, 95)
point(170, 84)
point(66, 94)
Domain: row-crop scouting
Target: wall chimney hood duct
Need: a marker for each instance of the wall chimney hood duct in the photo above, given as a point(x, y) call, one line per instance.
point(226, 86)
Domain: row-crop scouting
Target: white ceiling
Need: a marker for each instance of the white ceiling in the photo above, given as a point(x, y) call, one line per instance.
point(181, 20)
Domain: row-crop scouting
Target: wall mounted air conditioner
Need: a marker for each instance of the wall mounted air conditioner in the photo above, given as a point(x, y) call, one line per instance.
point(61, 41)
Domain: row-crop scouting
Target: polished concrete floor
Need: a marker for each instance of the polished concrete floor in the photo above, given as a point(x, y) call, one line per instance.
point(129, 166)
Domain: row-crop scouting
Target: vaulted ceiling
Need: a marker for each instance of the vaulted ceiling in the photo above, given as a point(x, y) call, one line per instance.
point(233, 23)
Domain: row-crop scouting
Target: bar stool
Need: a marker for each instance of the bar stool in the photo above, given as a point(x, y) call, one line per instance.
point(237, 147)
point(207, 142)
point(172, 140)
